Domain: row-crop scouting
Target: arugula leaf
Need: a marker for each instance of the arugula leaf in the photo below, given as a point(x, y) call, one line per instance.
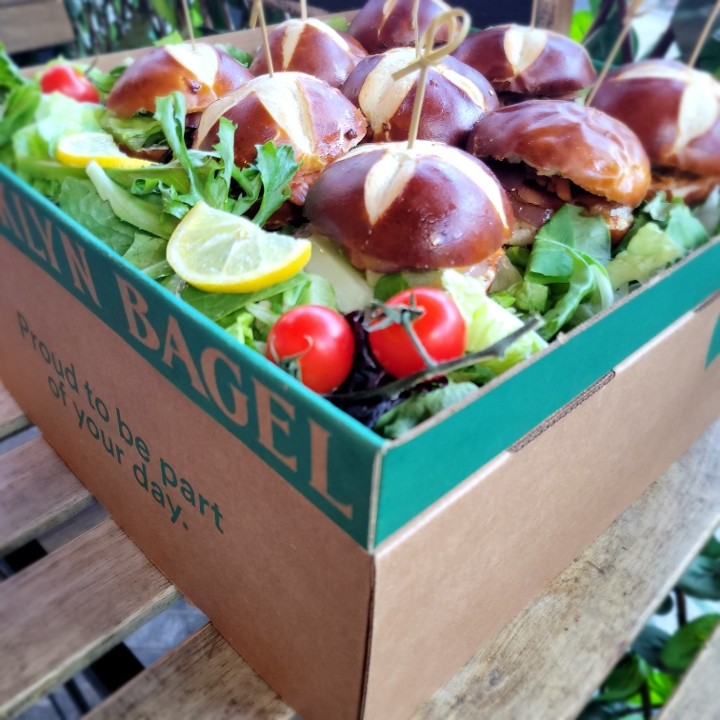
point(170, 112)
point(265, 180)
point(218, 305)
point(277, 167)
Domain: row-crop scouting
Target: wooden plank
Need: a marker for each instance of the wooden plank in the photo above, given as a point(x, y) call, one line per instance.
point(12, 417)
point(38, 492)
point(549, 660)
point(32, 25)
point(697, 695)
point(555, 15)
point(67, 609)
point(205, 677)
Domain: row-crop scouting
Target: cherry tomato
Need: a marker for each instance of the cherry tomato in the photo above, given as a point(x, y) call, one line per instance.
point(315, 343)
point(439, 328)
point(67, 80)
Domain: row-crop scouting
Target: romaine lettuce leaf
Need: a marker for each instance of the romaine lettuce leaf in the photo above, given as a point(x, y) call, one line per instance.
point(141, 213)
point(650, 250)
point(488, 322)
point(79, 199)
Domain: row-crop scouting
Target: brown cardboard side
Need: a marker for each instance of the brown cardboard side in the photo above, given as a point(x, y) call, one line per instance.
point(280, 581)
point(447, 583)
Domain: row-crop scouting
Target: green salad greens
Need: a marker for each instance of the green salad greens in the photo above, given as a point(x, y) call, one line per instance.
point(570, 273)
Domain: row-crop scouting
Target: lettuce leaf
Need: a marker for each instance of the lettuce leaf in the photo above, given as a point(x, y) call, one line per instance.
point(138, 132)
point(664, 232)
point(417, 408)
point(565, 280)
point(487, 322)
point(141, 213)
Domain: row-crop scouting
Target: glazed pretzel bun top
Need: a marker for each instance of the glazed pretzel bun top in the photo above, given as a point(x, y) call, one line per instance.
point(313, 47)
point(455, 97)
point(383, 24)
point(672, 108)
point(533, 62)
point(202, 74)
point(393, 208)
point(555, 137)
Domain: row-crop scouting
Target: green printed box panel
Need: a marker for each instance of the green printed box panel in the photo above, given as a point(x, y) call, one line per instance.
point(308, 441)
point(412, 479)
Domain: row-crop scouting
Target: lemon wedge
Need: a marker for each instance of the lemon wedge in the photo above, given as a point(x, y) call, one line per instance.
point(217, 251)
point(78, 149)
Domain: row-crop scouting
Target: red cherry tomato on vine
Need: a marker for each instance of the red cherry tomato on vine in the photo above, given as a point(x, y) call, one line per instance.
point(67, 80)
point(439, 328)
point(315, 343)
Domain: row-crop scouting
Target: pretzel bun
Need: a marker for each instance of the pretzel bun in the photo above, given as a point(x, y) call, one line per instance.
point(558, 138)
point(383, 24)
point(202, 74)
point(393, 208)
point(673, 109)
point(313, 47)
point(290, 108)
point(456, 96)
point(531, 62)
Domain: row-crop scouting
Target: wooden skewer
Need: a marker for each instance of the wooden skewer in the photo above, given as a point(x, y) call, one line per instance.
point(188, 23)
point(416, 26)
point(632, 12)
point(257, 6)
point(430, 55)
point(533, 13)
point(704, 34)
point(303, 10)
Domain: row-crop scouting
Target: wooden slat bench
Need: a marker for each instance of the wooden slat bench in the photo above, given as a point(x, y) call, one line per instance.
point(60, 613)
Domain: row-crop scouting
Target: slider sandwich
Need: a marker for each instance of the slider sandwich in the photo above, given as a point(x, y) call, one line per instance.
point(675, 111)
point(524, 62)
point(546, 153)
point(394, 209)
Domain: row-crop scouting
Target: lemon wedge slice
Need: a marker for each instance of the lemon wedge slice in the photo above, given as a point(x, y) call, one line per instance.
point(78, 149)
point(217, 251)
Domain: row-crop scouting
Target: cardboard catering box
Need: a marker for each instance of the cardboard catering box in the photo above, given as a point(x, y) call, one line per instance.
point(356, 575)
